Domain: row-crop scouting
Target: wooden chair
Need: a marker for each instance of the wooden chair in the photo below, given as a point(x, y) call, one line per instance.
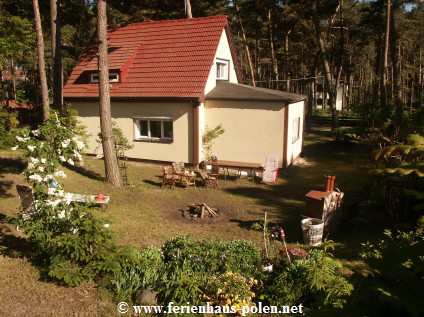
point(211, 179)
point(178, 169)
point(168, 177)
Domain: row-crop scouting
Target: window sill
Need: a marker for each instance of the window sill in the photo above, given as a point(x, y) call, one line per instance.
point(154, 141)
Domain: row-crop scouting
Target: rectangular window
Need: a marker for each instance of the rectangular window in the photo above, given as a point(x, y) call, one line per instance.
point(296, 129)
point(154, 129)
point(222, 69)
point(113, 77)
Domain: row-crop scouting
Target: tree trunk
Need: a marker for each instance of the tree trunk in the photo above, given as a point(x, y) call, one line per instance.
point(384, 68)
point(41, 62)
point(246, 46)
point(56, 55)
point(111, 164)
point(271, 45)
point(188, 9)
point(332, 88)
point(12, 73)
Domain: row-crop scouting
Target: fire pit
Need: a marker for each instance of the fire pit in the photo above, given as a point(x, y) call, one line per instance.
point(201, 211)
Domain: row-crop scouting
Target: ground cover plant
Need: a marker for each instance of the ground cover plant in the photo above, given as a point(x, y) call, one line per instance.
point(242, 201)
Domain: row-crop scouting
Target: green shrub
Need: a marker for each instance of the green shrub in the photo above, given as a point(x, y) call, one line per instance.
point(229, 289)
point(210, 257)
point(150, 267)
point(8, 132)
point(180, 284)
point(314, 282)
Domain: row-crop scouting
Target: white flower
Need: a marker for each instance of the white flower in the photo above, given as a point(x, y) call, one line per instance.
point(59, 151)
point(60, 174)
point(77, 155)
point(34, 160)
point(51, 191)
point(22, 139)
point(36, 177)
point(80, 145)
point(68, 198)
point(41, 169)
point(31, 148)
point(48, 177)
point(66, 143)
point(62, 214)
point(70, 161)
point(30, 165)
point(62, 158)
point(106, 225)
point(43, 160)
point(75, 231)
point(15, 148)
point(41, 144)
point(36, 132)
point(53, 203)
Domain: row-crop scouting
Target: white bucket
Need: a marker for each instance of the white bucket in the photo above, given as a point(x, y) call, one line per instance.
point(313, 230)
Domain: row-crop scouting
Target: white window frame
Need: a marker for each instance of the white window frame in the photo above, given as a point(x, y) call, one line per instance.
point(137, 123)
point(296, 129)
point(226, 64)
point(93, 78)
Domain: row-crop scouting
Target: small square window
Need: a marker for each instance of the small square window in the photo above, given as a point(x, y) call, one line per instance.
point(222, 70)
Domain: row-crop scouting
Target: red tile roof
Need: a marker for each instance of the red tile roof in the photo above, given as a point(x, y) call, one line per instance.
point(159, 59)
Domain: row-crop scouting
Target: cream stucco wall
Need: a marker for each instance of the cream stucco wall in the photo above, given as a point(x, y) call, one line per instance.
point(253, 129)
point(223, 51)
point(180, 149)
point(296, 110)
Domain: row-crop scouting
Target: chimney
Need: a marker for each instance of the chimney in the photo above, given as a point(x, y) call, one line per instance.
point(329, 182)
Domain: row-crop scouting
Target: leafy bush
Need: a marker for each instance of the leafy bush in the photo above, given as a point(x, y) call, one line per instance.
point(8, 124)
point(180, 284)
point(314, 282)
point(397, 270)
point(229, 289)
point(210, 257)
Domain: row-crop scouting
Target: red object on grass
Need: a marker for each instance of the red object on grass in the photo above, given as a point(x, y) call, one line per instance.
point(100, 197)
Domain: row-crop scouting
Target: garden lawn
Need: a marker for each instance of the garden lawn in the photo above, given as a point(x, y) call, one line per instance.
point(144, 214)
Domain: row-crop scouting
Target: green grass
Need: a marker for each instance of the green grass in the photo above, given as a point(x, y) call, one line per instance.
point(144, 214)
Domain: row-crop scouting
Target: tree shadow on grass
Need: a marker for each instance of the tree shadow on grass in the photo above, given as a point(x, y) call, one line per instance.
point(5, 186)
point(12, 165)
point(85, 172)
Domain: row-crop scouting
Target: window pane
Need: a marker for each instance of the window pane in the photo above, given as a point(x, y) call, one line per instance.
point(221, 70)
point(167, 129)
point(113, 77)
point(155, 129)
point(143, 129)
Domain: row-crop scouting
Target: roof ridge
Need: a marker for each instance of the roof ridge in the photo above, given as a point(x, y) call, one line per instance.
point(178, 20)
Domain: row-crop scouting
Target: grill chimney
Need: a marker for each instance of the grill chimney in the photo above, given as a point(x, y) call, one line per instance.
point(329, 182)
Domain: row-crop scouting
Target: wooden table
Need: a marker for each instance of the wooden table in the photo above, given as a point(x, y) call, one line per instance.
point(188, 179)
point(240, 166)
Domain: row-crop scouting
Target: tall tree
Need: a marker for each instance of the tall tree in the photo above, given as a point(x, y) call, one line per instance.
point(111, 163)
point(56, 54)
point(188, 9)
point(41, 61)
point(385, 64)
point(246, 45)
point(330, 80)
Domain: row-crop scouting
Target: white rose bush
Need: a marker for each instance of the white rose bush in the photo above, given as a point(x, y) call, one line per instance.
point(75, 245)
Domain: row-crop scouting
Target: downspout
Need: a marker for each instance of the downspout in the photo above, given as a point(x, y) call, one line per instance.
point(286, 135)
